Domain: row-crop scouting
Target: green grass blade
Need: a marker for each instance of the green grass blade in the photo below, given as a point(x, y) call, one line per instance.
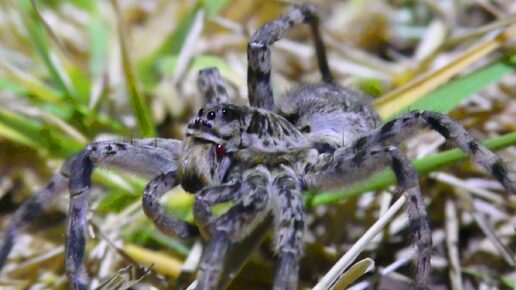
point(98, 34)
point(41, 44)
point(147, 68)
point(214, 6)
point(30, 85)
point(42, 137)
point(423, 166)
point(143, 117)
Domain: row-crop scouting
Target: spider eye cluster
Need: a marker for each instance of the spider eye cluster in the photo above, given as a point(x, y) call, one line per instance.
point(198, 122)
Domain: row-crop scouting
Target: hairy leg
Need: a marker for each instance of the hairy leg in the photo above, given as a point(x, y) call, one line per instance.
point(397, 130)
point(209, 197)
point(346, 167)
point(79, 187)
point(259, 54)
point(147, 157)
point(29, 211)
point(165, 222)
point(211, 85)
point(139, 158)
point(234, 225)
point(289, 228)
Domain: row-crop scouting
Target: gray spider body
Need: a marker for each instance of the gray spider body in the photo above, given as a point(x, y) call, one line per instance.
point(316, 119)
point(260, 157)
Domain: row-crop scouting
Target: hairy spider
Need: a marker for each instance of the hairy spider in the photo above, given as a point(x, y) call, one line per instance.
point(261, 157)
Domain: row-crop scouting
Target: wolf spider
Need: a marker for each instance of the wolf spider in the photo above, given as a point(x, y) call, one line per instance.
point(261, 157)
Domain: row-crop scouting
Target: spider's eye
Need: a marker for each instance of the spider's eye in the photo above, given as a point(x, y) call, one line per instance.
point(211, 115)
point(220, 150)
point(201, 112)
point(229, 114)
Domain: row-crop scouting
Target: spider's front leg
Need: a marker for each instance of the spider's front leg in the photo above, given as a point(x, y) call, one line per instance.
point(157, 213)
point(346, 166)
point(209, 197)
point(146, 158)
point(259, 54)
point(289, 228)
point(234, 225)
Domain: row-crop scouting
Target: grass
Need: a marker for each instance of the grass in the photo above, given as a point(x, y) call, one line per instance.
point(71, 72)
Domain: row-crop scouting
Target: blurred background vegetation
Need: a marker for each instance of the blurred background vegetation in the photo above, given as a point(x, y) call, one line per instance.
point(76, 71)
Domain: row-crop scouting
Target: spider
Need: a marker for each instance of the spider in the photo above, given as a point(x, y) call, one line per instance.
point(261, 157)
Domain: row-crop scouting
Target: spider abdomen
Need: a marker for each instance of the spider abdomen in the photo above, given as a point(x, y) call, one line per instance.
point(329, 114)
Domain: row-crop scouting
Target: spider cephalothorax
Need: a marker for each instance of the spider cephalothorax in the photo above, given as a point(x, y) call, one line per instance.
point(260, 157)
point(222, 134)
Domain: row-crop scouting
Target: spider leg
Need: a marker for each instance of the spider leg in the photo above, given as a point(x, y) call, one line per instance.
point(79, 187)
point(210, 196)
point(259, 54)
point(29, 211)
point(165, 222)
point(289, 228)
point(147, 157)
point(211, 85)
point(346, 167)
point(234, 225)
point(397, 130)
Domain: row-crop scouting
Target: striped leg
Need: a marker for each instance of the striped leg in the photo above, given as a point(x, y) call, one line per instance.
point(147, 158)
point(165, 222)
point(397, 130)
point(209, 197)
point(234, 226)
point(211, 85)
point(31, 209)
point(289, 228)
point(259, 54)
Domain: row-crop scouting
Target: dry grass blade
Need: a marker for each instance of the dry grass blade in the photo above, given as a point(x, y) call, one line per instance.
point(123, 279)
point(37, 262)
point(345, 261)
point(187, 50)
point(478, 191)
point(156, 260)
point(487, 228)
point(354, 273)
point(383, 272)
point(401, 98)
point(452, 240)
